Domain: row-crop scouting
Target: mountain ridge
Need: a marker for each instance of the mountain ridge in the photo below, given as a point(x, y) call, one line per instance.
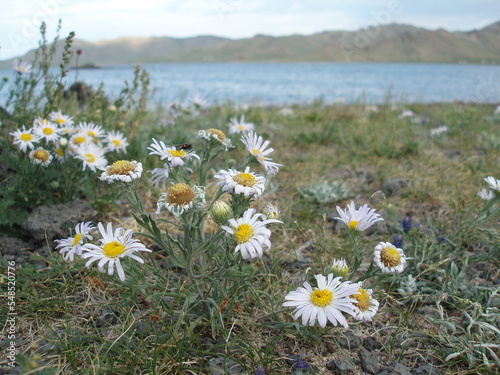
point(381, 43)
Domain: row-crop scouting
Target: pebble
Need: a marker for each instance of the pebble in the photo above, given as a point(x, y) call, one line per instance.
point(369, 361)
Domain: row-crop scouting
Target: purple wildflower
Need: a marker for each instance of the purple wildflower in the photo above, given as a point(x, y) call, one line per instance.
point(407, 224)
point(300, 363)
point(398, 241)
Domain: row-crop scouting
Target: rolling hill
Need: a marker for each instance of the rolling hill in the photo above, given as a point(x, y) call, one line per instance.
point(383, 43)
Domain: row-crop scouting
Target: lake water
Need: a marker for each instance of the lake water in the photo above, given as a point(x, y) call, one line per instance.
point(286, 83)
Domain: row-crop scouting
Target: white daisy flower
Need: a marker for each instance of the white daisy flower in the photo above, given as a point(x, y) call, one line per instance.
point(250, 233)
point(159, 176)
point(258, 148)
point(122, 170)
point(91, 129)
point(22, 67)
point(40, 156)
point(64, 121)
point(286, 111)
point(114, 245)
point(60, 154)
point(486, 195)
point(406, 113)
point(46, 130)
point(358, 219)
point(494, 184)
point(246, 183)
point(324, 303)
point(340, 267)
point(79, 139)
point(371, 108)
point(240, 126)
point(198, 101)
point(174, 157)
point(180, 198)
point(389, 258)
point(116, 141)
point(73, 245)
point(439, 130)
point(497, 110)
point(216, 136)
point(67, 129)
point(365, 306)
point(24, 139)
point(92, 156)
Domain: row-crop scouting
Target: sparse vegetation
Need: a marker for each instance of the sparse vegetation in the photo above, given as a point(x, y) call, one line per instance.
point(216, 310)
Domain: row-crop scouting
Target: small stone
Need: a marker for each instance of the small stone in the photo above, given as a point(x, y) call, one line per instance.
point(371, 343)
point(369, 361)
point(349, 340)
point(106, 318)
point(48, 223)
point(425, 370)
point(394, 186)
point(395, 369)
point(341, 366)
point(224, 366)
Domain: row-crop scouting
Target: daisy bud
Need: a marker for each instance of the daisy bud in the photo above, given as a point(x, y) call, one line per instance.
point(63, 142)
point(221, 212)
point(340, 267)
point(271, 211)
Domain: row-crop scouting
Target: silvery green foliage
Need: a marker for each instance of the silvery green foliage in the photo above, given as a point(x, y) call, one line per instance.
point(407, 287)
point(325, 192)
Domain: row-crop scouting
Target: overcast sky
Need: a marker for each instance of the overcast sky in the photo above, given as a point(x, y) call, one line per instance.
point(94, 20)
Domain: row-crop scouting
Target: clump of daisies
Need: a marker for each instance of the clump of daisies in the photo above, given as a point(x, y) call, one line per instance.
point(58, 139)
point(243, 224)
point(113, 247)
point(346, 293)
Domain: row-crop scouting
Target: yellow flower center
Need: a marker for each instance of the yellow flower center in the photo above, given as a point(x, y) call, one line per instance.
point(321, 297)
point(121, 167)
point(48, 131)
point(77, 239)
point(180, 194)
point(243, 233)
point(90, 158)
point(245, 179)
point(113, 249)
point(41, 155)
point(60, 121)
point(218, 133)
point(177, 153)
point(79, 140)
point(60, 151)
point(363, 299)
point(116, 142)
point(390, 257)
point(91, 133)
point(353, 224)
point(258, 154)
point(26, 137)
